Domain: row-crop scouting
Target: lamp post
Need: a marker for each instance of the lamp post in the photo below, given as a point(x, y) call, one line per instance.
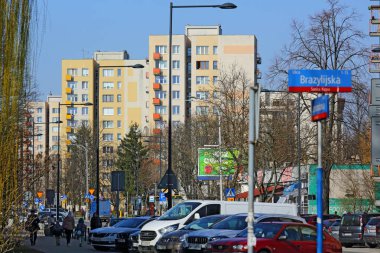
point(59, 141)
point(169, 171)
point(96, 128)
point(33, 165)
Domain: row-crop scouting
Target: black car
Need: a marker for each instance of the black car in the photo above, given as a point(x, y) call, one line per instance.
point(113, 221)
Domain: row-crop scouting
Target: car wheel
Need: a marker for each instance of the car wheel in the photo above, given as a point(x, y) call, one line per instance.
point(371, 245)
point(100, 248)
point(347, 245)
point(263, 251)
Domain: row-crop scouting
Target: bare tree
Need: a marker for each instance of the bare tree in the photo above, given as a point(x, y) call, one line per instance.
point(329, 41)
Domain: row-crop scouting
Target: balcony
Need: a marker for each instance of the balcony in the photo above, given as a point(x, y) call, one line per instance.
point(156, 86)
point(68, 129)
point(69, 90)
point(156, 71)
point(156, 56)
point(69, 78)
point(69, 116)
point(156, 116)
point(156, 131)
point(68, 102)
point(156, 101)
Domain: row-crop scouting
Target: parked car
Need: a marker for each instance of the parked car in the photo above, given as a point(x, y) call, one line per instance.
point(173, 241)
point(105, 238)
point(113, 221)
point(230, 227)
point(371, 234)
point(334, 229)
point(352, 228)
point(327, 223)
point(277, 237)
point(312, 218)
point(133, 242)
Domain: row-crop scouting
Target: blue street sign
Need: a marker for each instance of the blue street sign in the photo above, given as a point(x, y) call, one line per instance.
point(229, 192)
point(305, 80)
point(42, 207)
point(37, 200)
point(162, 197)
point(63, 197)
point(92, 197)
point(87, 196)
point(320, 108)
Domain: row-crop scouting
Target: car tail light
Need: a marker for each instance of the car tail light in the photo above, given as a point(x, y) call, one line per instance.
point(360, 235)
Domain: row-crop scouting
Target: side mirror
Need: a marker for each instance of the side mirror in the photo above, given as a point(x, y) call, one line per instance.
point(282, 237)
point(197, 216)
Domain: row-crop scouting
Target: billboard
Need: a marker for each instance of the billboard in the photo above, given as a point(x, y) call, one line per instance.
point(209, 166)
point(305, 80)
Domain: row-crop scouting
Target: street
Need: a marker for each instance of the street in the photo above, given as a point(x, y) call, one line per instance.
point(359, 249)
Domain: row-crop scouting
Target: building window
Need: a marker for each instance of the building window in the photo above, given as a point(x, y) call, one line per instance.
point(84, 85)
point(55, 110)
point(39, 138)
point(106, 176)
point(55, 119)
point(118, 72)
point(160, 94)
point(54, 129)
point(72, 97)
point(118, 97)
point(176, 110)
point(202, 94)
point(84, 110)
point(119, 111)
point(72, 85)
point(201, 65)
point(161, 79)
point(201, 110)
point(85, 122)
point(108, 85)
point(175, 80)
point(107, 124)
point(176, 64)
point(176, 123)
point(160, 109)
point(119, 137)
point(189, 51)
point(216, 94)
point(84, 72)
point(54, 147)
point(54, 138)
point(72, 72)
point(107, 137)
point(215, 49)
point(162, 64)
point(201, 50)
point(39, 129)
point(215, 64)
point(72, 110)
point(107, 150)
point(107, 72)
point(161, 49)
point(215, 110)
point(176, 49)
point(176, 94)
point(39, 110)
point(107, 98)
point(39, 119)
point(72, 123)
point(84, 97)
point(119, 124)
point(108, 111)
point(214, 80)
point(202, 80)
point(119, 85)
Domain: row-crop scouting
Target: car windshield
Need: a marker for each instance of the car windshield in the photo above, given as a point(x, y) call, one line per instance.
point(203, 223)
point(351, 220)
point(263, 230)
point(180, 211)
point(129, 223)
point(232, 223)
point(374, 221)
point(336, 223)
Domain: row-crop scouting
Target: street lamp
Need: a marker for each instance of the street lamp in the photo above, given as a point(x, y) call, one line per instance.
point(96, 128)
point(33, 165)
point(170, 171)
point(59, 141)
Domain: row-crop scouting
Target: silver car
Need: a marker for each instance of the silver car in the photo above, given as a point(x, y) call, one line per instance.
point(371, 233)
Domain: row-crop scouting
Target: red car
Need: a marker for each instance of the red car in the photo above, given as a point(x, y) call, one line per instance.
point(312, 218)
point(278, 237)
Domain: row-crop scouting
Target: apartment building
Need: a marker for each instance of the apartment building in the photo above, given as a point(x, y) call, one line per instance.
point(198, 57)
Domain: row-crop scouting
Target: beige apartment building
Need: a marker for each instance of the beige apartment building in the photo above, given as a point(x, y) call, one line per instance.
point(198, 57)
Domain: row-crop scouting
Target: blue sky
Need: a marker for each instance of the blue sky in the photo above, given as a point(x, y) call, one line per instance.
point(73, 29)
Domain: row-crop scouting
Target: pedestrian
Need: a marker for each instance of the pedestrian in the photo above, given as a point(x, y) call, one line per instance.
point(95, 222)
point(57, 232)
point(68, 226)
point(32, 225)
point(80, 230)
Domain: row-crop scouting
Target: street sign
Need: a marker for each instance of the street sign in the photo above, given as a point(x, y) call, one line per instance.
point(91, 191)
point(27, 195)
point(42, 207)
point(230, 199)
point(375, 91)
point(37, 200)
point(39, 194)
point(92, 197)
point(164, 181)
point(320, 108)
point(162, 198)
point(375, 141)
point(63, 197)
point(151, 199)
point(230, 192)
point(374, 111)
point(307, 80)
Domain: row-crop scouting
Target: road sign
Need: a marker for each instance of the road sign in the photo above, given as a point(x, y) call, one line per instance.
point(305, 80)
point(162, 198)
point(91, 191)
point(92, 197)
point(375, 91)
point(375, 141)
point(42, 207)
point(39, 194)
point(320, 108)
point(63, 197)
point(37, 200)
point(151, 199)
point(230, 192)
point(230, 199)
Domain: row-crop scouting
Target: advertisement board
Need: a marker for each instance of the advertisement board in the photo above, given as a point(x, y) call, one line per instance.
point(209, 166)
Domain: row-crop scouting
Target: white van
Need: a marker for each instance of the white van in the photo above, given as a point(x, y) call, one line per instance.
point(185, 212)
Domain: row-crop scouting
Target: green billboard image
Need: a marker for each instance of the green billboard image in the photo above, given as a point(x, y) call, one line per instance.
point(209, 165)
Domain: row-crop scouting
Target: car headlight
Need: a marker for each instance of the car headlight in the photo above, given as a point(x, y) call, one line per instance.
point(168, 229)
point(183, 237)
point(239, 247)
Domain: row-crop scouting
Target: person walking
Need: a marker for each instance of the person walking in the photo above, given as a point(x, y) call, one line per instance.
point(68, 226)
point(80, 230)
point(95, 221)
point(57, 232)
point(32, 225)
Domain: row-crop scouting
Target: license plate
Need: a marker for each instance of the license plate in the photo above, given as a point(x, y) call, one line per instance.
point(335, 232)
point(145, 243)
point(194, 246)
point(372, 231)
point(135, 244)
point(347, 234)
point(121, 240)
point(161, 246)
